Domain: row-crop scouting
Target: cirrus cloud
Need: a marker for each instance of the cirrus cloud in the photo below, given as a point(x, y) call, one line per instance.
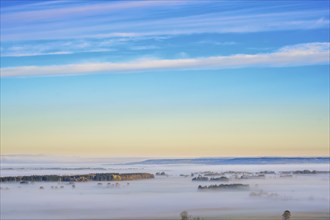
point(295, 55)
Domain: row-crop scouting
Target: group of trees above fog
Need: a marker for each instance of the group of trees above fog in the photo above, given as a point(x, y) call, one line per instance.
point(234, 186)
point(185, 216)
point(79, 178)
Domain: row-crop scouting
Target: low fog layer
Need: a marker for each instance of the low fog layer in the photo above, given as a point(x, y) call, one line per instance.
point(167, 195)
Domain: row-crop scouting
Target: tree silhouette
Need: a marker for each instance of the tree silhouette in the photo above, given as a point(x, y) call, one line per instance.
point(184, 215)
point(286, 215)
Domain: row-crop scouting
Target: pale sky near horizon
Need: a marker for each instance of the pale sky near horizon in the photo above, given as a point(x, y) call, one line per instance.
point(165, 78)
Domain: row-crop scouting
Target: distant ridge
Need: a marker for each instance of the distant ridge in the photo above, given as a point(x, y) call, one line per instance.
point(238, 160)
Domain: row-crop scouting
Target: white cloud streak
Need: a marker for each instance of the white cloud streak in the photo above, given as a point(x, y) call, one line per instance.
point(150, 18)
point(296, 55)
point(57, 48)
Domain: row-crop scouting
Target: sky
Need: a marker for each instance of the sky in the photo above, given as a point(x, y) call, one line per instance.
point(165, 78)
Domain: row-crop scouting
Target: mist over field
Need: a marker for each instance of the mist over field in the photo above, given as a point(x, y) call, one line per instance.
point(165, 196)
point(164, 110)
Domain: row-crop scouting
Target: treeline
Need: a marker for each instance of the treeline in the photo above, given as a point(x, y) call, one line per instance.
point(234, 186)
point(79, 178)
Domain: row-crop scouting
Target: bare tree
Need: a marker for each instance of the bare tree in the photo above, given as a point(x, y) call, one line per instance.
point(286, 215)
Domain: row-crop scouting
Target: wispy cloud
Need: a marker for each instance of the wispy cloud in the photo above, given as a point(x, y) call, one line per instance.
point(130, 29)
point(295, 55)
point(21, 49)
point(74, 46)
point(217, 43)
point(151, 18)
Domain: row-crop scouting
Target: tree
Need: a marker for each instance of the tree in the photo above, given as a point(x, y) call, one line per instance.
point(286, 215)
point(184, 215)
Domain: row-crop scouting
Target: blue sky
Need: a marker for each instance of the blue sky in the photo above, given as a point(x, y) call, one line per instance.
point(216, 77)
